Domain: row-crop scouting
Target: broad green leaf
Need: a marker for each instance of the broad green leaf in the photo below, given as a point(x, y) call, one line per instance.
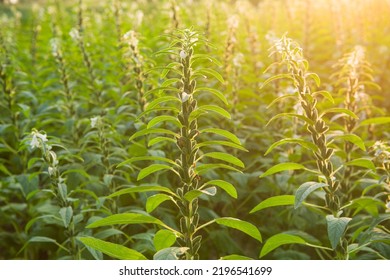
point(113, 250)
point(215, 109)
point(226, 186)
point(282, 167)
point(362, 162)
point(223, 133)
point(225, 157)
point(171, 109)
point(79, 171)
point(155, 200)
point(203, 168)
point(169, 82)
point(379, 120)
point(159, 139)
point(66, 214)
point(221, 143)
point(240, 225)
point(340, 110)
point(164, 239)
point(163, 118)
point(325, 94)
point(191, 195)
point(278, 240)
point(171, 253)
point(217, 93)
point(32, 221)
point(140, 189)
point(354, 139)
point(304, 190)
point(336, 229)
point(303, 143)
point(43, 239)
point(209, 72)
point(284, 96)
point(276, 77)
point(236, 257)
point(160, 100)
point(279, 200)
point(369, 204)
point(152, 131)
point(126, 219)
point(206, 57)
point(281, 115)
point(135, 159)
point(315, 77)
point(152, 169)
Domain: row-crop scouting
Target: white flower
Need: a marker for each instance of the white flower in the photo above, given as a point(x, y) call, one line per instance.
point(238, 60)
point(183, 54)
point(37, 139)
point(54, 43)
point(184, 96)
point(51, 170)
point(94, 121)
point(74, 33)
point(131, 38)
point(233, 22)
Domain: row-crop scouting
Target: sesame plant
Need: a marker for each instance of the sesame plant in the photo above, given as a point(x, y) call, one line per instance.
point(337, 211)
point(184, 129)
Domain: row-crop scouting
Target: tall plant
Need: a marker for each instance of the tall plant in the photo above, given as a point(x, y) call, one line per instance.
point(191, 161)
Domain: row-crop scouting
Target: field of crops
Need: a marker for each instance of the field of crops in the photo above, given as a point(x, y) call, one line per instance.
point(195, 129)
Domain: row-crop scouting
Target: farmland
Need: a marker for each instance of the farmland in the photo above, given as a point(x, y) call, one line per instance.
point(195, 129)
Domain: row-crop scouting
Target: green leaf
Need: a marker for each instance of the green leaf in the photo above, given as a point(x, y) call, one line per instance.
point(354, 139)
point(379, 120)
point(223, 133)
point(163, 118)
point(134, 159)
point(236, 257)
point(340, 110)
point(221, 143)
point(66, 214)
point(164, 239)
point(203, 168)
point(325, 94)
point(126, 219)
point(336, 229)
point(226, 186)
point(279, 200)
point(284, 96)
point(32, 221)
point(141, 189)
point(79, 171)
point(282, 167)
point(160, 100)
point(152, 169)
point(191, 195)
point(171, 253)
point(315, 77)
point(301, 117)
point(304, 190)
point(155, 200)
point(152, 131)
point(362, 162)
point(225, 157)
point(209, 72)
point(303, 143)
point(217, 93)
point(276, 77)
point(159, 139)
point(278, 240)
point(369, 204)
point(213, 108)
point(113, 250)
point(240, 225)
